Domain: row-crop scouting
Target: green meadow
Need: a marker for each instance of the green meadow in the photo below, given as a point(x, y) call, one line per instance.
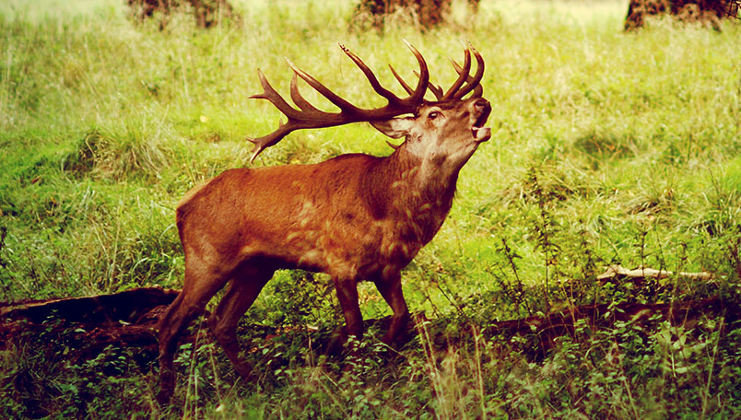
point(607, 148)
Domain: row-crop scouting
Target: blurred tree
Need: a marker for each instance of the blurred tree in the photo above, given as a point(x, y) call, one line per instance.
point(206, 12)
point(708, 12)
point(427, 13)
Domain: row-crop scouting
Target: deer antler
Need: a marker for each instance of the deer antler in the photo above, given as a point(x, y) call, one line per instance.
point(308, 116)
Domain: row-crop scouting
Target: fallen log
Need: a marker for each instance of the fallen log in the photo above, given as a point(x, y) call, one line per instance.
point(616, 272)
point(126, 319)
point(128, 306)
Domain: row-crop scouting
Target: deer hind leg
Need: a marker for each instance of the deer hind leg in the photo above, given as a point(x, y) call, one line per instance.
point(244, 287)
point(390, 289)
point(199, 287)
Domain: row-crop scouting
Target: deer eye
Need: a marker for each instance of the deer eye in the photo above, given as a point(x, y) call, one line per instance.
point(432, 115)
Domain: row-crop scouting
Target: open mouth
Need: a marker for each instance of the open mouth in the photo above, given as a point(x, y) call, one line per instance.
point(481, 133)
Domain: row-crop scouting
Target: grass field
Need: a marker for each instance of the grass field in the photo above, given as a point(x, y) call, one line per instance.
point(607, 148)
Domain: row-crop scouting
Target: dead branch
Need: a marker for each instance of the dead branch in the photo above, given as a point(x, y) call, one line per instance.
point(615, 272)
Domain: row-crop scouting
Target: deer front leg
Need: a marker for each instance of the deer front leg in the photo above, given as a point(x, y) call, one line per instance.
point(347, 293)
point(390, 289)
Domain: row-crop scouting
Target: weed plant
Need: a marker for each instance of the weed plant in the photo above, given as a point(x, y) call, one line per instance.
point(607, 148)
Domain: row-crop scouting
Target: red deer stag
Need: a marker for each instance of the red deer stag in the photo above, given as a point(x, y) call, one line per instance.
point(356, 217)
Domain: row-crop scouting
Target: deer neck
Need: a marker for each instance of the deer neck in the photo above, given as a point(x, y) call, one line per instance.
point(406, 188)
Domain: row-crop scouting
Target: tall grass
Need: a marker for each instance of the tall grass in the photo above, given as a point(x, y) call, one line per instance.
point(606, 148)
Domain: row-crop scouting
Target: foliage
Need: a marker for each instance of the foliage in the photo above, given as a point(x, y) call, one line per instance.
point(606, 148)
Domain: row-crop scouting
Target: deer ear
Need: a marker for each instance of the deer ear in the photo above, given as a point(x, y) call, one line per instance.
point(394, 127)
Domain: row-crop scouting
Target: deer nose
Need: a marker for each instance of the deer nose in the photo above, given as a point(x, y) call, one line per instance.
point(481, 105)
point(481, 110)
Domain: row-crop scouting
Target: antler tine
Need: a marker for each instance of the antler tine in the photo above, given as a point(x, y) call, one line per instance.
point(298, 99)
point(401, 81)
point(371, 76)
point(436, 90)
point(450, 93)
point(473, 82)
point(264, 142)
point(341, 103)
point(269, 93)
point(424, 78)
